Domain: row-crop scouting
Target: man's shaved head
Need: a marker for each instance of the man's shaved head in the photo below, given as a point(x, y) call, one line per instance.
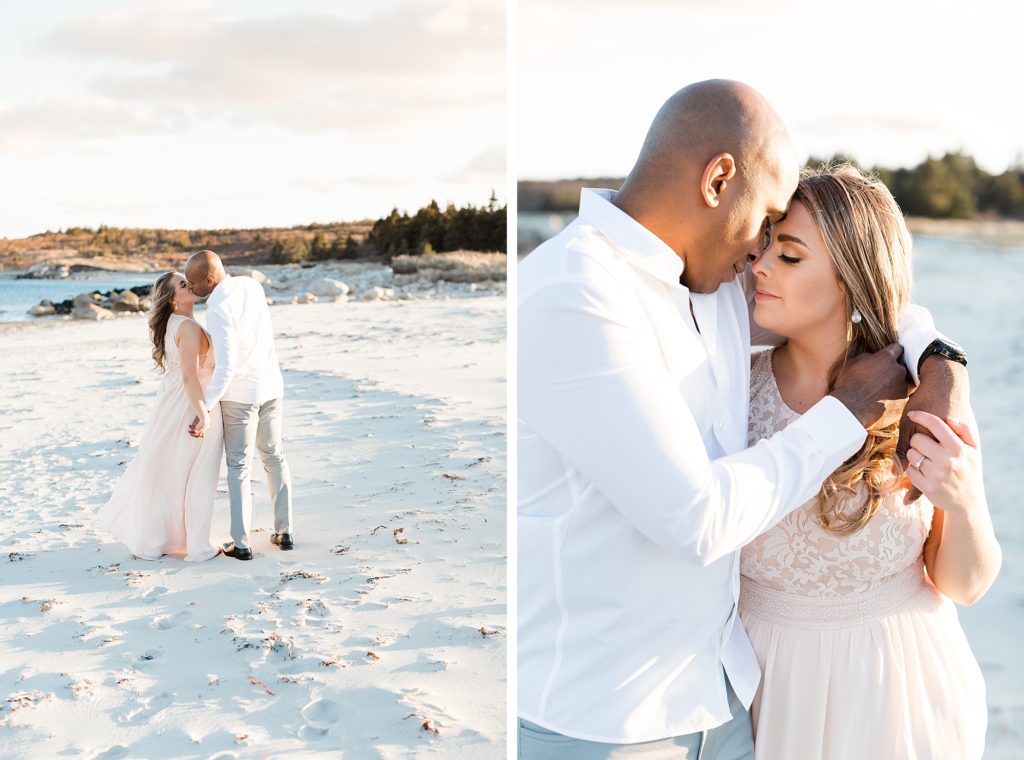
point(708, 118)
point(204, 270)
point(716, 160)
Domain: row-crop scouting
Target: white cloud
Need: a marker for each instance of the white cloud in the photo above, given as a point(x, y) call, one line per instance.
point(246, 112)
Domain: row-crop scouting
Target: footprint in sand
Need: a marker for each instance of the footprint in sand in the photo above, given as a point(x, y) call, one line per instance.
point(154, 592)
point(112, 753)
point(311, 733)
point(149, 707)
point(320, 714)
point(148, 656)
point(166, 622)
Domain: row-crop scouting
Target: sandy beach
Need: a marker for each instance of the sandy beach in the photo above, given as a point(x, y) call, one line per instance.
point(382, 635)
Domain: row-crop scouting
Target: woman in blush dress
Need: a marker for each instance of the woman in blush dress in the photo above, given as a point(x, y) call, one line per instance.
point(848, 600)
point(163, 503)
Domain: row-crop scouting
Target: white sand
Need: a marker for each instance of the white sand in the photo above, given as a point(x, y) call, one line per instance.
point(381, 636)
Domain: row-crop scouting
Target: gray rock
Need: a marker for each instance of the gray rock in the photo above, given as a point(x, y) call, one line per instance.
point(329, 287)
point(305, 298)
point(90, 311)
point(124, 301)
point(85, 299)
point(379, 294)
point(46, 271)
point(43, 309)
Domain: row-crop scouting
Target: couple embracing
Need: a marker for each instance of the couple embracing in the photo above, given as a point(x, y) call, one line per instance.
point(726, 554)
point(220, 398)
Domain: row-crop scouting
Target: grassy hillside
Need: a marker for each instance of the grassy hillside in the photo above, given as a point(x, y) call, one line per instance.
point(150, 249)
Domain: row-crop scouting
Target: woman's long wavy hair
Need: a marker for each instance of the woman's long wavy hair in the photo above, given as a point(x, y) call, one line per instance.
point(161, 310)
point(870, 248)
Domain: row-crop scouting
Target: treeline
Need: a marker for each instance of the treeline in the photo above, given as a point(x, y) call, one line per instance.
point(166, 247)
point(558, 195)
point(950, 187)
point(295, 249)
point(432, 230)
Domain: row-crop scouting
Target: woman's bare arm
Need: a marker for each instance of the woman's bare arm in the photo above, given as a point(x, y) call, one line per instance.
point(961, 553)
point(190, 339)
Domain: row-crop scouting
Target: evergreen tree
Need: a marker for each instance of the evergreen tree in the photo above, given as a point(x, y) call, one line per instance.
point(320, 249)
point(290, 250)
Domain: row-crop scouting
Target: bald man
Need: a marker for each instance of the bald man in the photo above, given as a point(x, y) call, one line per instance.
point(247, 384)
point(636, 487)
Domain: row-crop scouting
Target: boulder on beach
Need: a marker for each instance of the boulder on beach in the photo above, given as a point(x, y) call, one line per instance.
point(379, 294)
point(240, 271)
point(145, 304)
point(329, 287)
point(43, 309)
point(305, 298)
point(86, 299)
point(124, 301)
point(46, 271)
point(90, 311)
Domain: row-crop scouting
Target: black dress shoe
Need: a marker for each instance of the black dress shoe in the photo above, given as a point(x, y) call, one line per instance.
point(284, 540)
point(230, 550)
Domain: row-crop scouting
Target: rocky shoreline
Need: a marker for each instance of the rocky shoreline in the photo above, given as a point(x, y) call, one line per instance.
point(451, 275)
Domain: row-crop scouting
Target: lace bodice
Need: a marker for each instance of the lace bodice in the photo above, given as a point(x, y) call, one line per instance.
point(798, 555)
point(172, 354)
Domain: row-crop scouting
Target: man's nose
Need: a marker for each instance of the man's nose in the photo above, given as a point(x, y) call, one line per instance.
point(757, 264)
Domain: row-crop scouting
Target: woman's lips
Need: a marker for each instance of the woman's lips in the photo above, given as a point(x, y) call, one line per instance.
point(764, 295)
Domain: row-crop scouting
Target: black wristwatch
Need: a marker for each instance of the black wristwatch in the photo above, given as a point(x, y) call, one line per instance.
point(946, 348)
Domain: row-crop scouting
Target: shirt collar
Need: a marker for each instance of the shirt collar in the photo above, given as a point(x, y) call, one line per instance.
point(641, 247)
point(219, 291)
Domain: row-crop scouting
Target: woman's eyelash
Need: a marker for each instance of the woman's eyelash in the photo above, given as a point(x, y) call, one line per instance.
point(789, 259)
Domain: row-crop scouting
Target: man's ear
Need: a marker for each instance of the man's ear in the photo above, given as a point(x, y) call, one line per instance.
point(715, 179)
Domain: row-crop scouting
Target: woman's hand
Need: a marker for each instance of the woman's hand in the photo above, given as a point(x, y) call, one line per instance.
point(200, 425)
point(947, 469)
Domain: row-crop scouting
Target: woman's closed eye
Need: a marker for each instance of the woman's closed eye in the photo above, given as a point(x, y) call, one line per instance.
point(788, 259)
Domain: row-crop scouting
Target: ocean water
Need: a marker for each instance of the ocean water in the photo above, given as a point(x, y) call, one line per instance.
point(974, 294)
point(18, 296)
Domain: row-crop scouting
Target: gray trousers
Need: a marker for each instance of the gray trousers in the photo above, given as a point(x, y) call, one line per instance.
point(730, 741)
point(249, 428)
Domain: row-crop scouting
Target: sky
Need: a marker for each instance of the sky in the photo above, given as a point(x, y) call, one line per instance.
point(246, 113)
point(887, 81)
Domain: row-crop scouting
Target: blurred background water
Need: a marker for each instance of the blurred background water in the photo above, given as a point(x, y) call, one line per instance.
point(17, 296)
point(974, 292)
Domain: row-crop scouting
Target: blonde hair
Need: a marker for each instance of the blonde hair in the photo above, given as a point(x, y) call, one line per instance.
point(159, 313)
point(870, 248)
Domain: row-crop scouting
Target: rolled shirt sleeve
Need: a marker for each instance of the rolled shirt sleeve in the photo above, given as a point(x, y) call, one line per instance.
point(591, 382)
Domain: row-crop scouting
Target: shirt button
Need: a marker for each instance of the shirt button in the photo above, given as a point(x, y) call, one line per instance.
point(722, 425)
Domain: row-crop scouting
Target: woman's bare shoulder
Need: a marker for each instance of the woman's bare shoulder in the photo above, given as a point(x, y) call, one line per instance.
point(189, 328)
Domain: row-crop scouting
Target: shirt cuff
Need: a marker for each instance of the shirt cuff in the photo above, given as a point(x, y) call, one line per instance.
point(833, 428)
point(917, 331)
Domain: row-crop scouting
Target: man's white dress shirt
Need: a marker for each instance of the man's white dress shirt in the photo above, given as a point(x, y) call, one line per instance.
point(238, 319)
point(636, 488)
